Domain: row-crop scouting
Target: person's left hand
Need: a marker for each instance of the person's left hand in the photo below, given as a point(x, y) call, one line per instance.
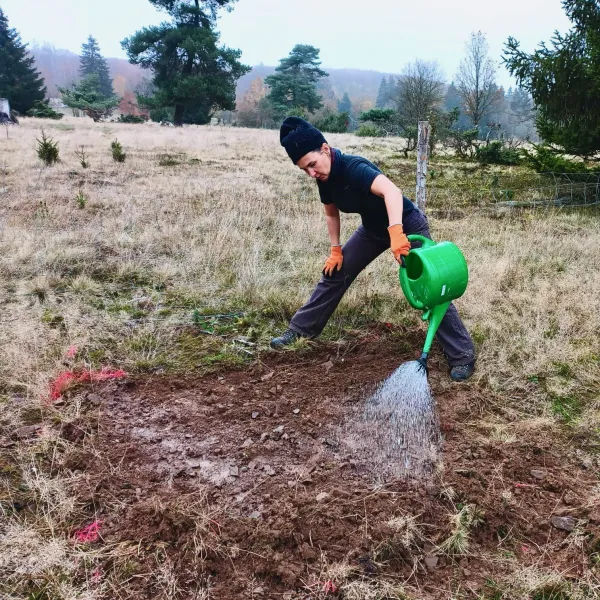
point(399, 242)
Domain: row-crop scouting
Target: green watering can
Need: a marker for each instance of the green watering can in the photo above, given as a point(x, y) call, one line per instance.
point(431, 277)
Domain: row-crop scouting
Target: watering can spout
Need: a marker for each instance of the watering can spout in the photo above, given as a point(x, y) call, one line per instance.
point(431, 277)
point(423, 363)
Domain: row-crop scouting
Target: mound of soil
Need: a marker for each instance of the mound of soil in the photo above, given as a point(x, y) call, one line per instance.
point(241, 482)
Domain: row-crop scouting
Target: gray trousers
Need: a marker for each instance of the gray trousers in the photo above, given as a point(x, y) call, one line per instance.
point(361, 249)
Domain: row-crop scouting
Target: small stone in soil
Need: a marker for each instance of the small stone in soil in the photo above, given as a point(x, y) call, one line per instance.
point(255, 515)
point(255, 414)
point(234, 471)
point(296, 411)
point(322, 496)
point(25, 432)
point(587, 462)
point(94, 399)
point(566, 523)
point(247, 443)
point(268, 469)
point(431, 562)
point(537, 473)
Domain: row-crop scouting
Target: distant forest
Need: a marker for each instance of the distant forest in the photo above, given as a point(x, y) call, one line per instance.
point(60, 68)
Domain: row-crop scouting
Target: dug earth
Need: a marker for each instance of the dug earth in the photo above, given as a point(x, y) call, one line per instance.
point(243, 484)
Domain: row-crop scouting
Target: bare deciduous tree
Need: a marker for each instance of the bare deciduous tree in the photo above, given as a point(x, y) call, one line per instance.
point(476, 79)
point(420, 89)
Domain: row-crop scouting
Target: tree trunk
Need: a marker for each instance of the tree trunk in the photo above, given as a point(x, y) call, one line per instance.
point(187, 70)
point(422, 157)
point(178, 117)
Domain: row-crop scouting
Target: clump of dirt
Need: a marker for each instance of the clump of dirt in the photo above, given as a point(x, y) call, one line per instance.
point(243, 483)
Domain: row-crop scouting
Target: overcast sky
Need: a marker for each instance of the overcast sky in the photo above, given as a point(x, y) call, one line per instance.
point(378, 34)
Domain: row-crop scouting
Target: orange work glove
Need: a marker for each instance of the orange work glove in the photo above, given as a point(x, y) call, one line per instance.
point(399, 242)
point(334, 261)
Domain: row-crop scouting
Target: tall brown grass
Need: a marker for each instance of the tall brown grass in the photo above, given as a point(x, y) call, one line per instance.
point(219, 217)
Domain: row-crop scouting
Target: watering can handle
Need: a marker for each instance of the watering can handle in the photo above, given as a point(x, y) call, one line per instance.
point(404, 275)
point(421, 238)
point(417, 238)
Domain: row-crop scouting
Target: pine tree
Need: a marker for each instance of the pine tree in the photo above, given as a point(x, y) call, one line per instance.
point(91, 62)
point(345, 104)
point(192, 73)
point(19, 80)
point(86, 96)
point(382, 94)
point(563, 78)
point(293, 86)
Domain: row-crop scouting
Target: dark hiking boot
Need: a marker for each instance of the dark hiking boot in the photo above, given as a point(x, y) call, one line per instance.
point(289, 336)
point(462, 372)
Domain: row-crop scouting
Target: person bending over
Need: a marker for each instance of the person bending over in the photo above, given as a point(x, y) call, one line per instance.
point(352, 184)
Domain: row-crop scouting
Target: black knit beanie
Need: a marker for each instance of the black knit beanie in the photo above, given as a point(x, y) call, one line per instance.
point(299, 137)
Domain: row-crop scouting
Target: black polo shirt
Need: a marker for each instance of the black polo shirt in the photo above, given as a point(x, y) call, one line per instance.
point(349, 188)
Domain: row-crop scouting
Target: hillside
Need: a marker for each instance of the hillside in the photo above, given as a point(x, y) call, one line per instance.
point(360, 84)
point(60, 68)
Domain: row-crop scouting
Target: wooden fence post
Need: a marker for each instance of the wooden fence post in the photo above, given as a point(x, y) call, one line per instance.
point(422, 157)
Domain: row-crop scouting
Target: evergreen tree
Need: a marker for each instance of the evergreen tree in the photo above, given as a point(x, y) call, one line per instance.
point(453, 101)
point(19, 80)
point(521, 105)
point(191, 72)
point(87, 97)
point(345, 104)
point(382, 93)
point(564, 80)
point(91, 62)
point(293, 84)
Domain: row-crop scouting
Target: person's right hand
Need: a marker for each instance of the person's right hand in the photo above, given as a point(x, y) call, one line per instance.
point(334, 261)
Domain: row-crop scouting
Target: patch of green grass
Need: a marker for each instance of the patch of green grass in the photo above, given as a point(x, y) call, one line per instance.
point(552, 329)
point(170, 160)
point(185, 298)
point(479, 334)
point(53, 320)
point(566, 408)
point(563, 370)
point(129, 308)
point(552, 594)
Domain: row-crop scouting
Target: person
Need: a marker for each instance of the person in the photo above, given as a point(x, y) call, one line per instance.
point(352, 184)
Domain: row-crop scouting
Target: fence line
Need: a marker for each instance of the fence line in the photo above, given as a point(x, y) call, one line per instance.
point(551, 190)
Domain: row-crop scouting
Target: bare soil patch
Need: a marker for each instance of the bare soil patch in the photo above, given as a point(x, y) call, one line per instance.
point(241, 483)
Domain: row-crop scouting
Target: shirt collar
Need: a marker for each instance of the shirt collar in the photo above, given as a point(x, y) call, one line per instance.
point(336, 162)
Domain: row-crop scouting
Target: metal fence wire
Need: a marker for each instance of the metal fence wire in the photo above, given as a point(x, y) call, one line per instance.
point(547, 190)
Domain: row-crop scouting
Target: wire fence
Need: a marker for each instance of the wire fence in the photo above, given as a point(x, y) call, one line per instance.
point(505, 192)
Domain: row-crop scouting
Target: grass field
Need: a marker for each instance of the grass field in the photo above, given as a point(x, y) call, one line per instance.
point(184, 260)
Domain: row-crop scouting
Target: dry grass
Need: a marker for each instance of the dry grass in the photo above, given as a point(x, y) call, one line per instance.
point(218, 220)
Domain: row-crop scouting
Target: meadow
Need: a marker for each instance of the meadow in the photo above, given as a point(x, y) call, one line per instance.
point(177, 266)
